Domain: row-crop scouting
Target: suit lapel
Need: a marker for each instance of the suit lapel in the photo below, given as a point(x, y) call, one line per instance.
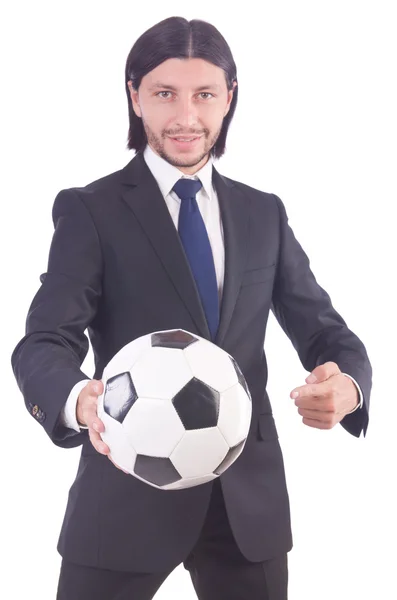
point(143, 196)
point(234, 208)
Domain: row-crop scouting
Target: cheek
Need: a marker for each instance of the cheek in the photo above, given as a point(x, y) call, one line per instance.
point(154, 122)
point(161, 121)
point(213, 120)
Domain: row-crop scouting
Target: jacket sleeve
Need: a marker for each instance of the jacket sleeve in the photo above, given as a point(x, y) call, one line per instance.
point(317, 331)
point(46, 361)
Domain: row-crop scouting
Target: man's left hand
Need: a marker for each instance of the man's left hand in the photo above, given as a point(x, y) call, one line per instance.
point(325, 402)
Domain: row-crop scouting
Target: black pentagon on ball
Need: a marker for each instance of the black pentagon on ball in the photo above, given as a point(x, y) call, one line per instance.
point(159, 471)
point(240, 376)
point(229, 458)
point(173, 339)
point(197, 405)
point(120, 395)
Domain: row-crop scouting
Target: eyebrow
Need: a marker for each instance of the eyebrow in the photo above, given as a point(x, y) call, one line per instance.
point(159, 84)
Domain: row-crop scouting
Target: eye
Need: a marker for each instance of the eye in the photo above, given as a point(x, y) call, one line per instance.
point(158, 94)
point(165, 92)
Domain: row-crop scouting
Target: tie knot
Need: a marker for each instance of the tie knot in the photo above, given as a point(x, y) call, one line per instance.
point(187, 188)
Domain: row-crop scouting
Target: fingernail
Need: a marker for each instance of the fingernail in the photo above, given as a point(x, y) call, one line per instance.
point(311, 379)
point(96, 427)
point(295, 394)
point(96, 389)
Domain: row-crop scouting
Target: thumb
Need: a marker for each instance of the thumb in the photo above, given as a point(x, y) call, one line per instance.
point(97, 386)
point(323, 372)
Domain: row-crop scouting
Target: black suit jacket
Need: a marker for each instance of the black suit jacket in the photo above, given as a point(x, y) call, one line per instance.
point(117, 268)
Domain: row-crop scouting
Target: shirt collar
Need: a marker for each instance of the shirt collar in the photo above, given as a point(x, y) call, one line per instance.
point(167, 175)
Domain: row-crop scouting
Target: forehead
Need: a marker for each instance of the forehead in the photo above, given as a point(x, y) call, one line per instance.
point(177, 74)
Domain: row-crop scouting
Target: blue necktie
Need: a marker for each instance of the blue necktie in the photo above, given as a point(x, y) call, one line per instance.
point(194, 238)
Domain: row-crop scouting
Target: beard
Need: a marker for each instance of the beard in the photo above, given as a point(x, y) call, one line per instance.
point(157, 143)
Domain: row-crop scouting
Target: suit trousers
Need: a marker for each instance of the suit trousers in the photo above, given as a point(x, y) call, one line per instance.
point(217, 569)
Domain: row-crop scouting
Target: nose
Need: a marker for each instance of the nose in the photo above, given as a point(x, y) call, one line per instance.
point(186, 113)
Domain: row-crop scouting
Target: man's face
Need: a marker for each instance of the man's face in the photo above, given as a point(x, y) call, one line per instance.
point(182, 98)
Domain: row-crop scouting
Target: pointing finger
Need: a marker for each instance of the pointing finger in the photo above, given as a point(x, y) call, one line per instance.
point(318, 390)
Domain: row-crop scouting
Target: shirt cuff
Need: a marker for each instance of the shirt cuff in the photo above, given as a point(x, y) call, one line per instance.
point(361, 401)
point(68, 416)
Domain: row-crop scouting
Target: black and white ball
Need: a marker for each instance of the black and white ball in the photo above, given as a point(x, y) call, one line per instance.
point(176, 409)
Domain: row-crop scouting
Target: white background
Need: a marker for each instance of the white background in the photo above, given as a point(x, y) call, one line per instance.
point(315, 124)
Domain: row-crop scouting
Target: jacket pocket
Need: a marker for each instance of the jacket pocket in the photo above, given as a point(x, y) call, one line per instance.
point(258, 275)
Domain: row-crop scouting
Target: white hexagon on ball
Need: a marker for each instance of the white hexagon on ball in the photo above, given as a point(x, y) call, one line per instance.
point(125, 358)
point(190, 482)
point(160, 373)
point(210, 365)
point(235, 412)
point(153, 436)
point(200, 451)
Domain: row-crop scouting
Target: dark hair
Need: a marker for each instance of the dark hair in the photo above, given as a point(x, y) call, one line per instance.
point(177, 37)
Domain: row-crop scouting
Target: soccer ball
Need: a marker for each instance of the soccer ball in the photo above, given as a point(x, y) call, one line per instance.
point(176, 409)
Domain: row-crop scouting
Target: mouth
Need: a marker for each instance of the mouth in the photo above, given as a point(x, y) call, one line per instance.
point(185, 141)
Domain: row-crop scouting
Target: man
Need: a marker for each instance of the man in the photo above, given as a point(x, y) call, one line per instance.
point(123, 263)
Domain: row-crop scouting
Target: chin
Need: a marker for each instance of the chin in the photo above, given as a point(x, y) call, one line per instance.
point(184, 159)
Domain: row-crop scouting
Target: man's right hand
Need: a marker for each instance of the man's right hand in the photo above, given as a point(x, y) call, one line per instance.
point(86, 412)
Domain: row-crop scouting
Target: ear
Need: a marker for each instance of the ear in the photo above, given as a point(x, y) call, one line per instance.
point(230, 98)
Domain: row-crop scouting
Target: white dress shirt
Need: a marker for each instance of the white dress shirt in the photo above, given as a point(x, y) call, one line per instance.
point(166, 176)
